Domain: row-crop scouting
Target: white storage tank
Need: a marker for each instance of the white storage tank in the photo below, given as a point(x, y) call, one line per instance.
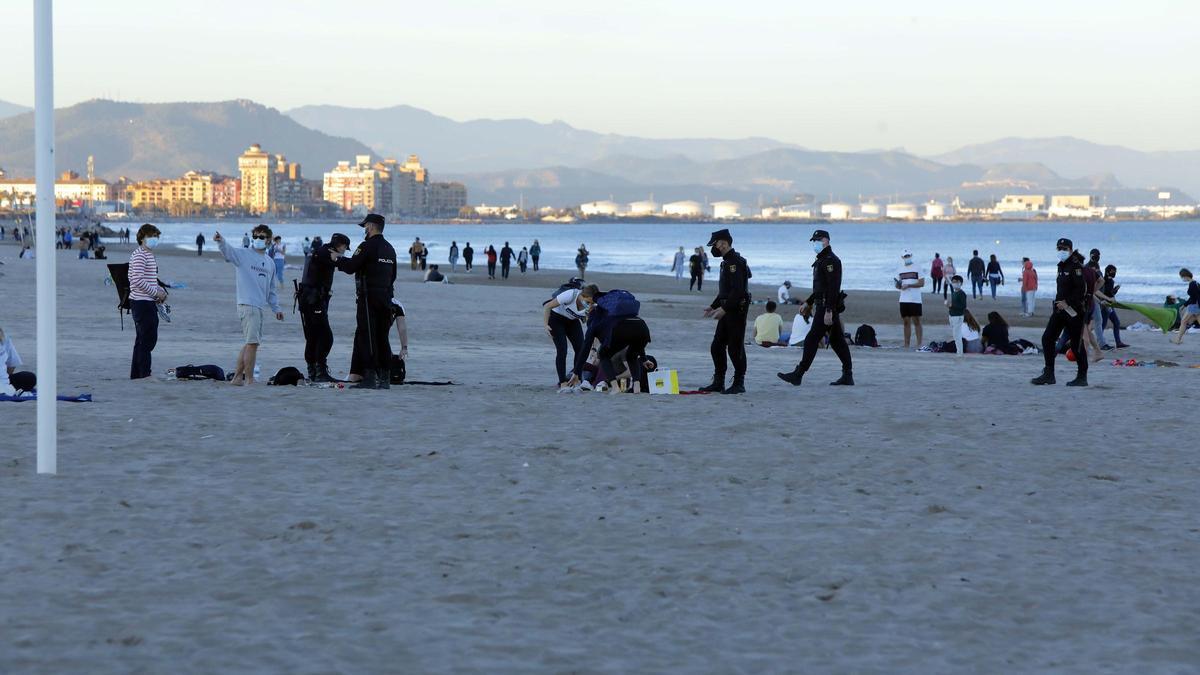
point(726, 209)
point(647, 207)
point(836, 211)
point(902, 211)
point(684, 209)
point(935, 211)
point(601, 208)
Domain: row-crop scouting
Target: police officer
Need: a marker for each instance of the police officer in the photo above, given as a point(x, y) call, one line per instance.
point(1068, 314)
point(374, 268)
point(313, 298)
point(824, 308)
point(729, 309)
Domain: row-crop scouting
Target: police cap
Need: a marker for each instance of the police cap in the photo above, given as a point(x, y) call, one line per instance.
point(720, 235)
point(339, 239)
point(1066, 244)
point(374, 219)
point(819, 235)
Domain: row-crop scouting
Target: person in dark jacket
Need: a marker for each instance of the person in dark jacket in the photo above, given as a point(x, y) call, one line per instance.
point(313, 300)
point(374, 268)
point(730, 309)
point(995, 275)
point(535, 254)
point(1069, 313)
point(975, 274)
point(491, 261)
point(506, 258)
point(825, 307)
point(200, 244)
point(696, 268)
point(468, 256)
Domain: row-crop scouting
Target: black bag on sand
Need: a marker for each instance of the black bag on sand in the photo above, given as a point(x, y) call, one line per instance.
point(287, 377)
point(190, 372)
point(865, 336)
point(23, 381)
point(398, 370)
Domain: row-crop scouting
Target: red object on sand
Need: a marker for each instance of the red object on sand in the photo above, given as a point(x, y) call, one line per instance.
point(1070, 354)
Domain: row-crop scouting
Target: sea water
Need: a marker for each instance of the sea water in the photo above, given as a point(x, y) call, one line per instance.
point(1148, 254)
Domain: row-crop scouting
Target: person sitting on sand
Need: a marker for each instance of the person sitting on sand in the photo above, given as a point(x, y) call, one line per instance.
point(972, 334)
point(767, 327)
point(255, 290)
point(432, 275)
point(995, 336)
point(1191, 312)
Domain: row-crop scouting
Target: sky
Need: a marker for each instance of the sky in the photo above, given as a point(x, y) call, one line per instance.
point(849, 75)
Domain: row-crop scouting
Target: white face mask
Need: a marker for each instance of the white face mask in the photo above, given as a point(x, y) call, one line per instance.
point(956, 286)
point(908, 261)
point(818, 246)
point(151, 242)
point(259, 244)
point(1063, 255)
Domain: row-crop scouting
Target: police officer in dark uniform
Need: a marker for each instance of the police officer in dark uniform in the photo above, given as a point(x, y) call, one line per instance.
point(729, 309)
point(313, 298)
point(824, 307)
point(1068, 314)
point(374, 268)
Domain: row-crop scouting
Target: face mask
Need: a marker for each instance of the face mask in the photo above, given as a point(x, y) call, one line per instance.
point(1063, 255)
point(151, 242)
point(259, 244)
point(818, 246)
point(908, 261)
point(956, 286)
point(715, 252)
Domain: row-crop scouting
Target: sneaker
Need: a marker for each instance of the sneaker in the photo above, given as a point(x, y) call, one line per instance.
point(601, 387)
point(567, 390)
point(1122, 345)
point(585, 386)
point(1106, 348)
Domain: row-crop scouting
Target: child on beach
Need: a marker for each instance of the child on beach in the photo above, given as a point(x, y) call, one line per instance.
point(1191, 311)
point(958, 306)
point(255, 290)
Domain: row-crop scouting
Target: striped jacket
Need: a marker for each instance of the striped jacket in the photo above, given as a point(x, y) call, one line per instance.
point(143, 276)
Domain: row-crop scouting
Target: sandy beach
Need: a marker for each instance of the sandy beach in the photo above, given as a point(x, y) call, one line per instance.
point(940, 517)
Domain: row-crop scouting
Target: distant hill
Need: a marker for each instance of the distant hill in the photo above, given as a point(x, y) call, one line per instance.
point(166, 139)
point(495, 145)
point(1076, 157)
point(9, 109)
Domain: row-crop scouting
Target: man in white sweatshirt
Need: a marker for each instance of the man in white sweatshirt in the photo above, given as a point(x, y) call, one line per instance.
point(255, 291)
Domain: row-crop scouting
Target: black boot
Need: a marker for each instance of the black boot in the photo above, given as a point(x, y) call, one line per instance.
point(1047, 377)
point(312, 372)
point(321, 374)
point(846, 380)
point(717, 386)
point(368, 381)
point(738, 386)
point(793, 378)
point(383, 379)
point(1079, 381)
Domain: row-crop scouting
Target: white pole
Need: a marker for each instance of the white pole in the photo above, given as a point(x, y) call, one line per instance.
point(47, 331)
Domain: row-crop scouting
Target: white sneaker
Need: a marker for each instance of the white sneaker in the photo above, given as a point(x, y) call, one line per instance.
point(585, 386)
point(602, 387)
point(567, 390)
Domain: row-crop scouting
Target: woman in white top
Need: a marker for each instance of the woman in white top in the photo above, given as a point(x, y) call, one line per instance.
point(562, 317)
point(972, 335)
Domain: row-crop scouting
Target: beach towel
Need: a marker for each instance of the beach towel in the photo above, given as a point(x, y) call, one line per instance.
point(77, 398)
point(1163, 317)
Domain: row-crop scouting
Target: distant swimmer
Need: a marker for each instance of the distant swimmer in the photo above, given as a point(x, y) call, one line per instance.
point(825, 306)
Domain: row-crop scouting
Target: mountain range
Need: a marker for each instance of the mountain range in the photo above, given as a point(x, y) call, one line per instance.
point(9, 109)
point(556, 164)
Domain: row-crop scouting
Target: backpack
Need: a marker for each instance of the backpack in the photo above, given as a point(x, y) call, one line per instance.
point(865, 336)
point(574, 284)
point(288, 376)
point(399, 372)
point(618, 303)
point(190, 372)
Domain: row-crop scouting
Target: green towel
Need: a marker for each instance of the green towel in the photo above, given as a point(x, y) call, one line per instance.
point(1163, 317)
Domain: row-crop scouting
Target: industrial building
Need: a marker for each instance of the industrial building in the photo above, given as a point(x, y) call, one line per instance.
point(601, 208)
point(726, 209)
point(683, 209)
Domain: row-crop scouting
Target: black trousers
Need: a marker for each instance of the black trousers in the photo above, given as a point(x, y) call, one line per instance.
point(467, 263)
point(1060, 321)
point(491, 270)
point(535, 262)
point(318, 336)
point(566, 331)
point(697, 281)
point(937, 284)
point(372, 350)
point(630, 337)
point(504, 269)
point(837, 340)
point(145, 321)
point(729, 337)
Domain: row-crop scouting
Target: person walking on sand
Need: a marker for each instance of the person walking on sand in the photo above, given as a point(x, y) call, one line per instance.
point(246, 240)
point(678, 265)
point(491, 261)
point(995, 275)
point(696, 266)
point(824, 307)
point(975, 274)
point(146, 293)
point(910, 282)
point(523, 259)
point(200, 244)
point(936, 270)
point(453, 256)
point(1106, 295)
point(255, 290)
point(414, 253)
point(506, 257)
point(1067, 313)
point(279, 255)
point(468, 257)
point(1029, 286)
point(1190, 313)
point(535, 253)
point(948, 272)
point(957, 306)
point(730, 309)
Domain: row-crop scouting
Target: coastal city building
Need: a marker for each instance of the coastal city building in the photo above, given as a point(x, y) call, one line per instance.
point(1021, 206)
point(446, 200)
point(356, 186)
point(1075, 206)
point(257, 169)
point(226, 193)
point(166, 194)
point(510, 212)
point(69, 189)
point(391, 188)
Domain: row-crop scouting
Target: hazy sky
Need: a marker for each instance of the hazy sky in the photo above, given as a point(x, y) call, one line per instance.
point(829, 75)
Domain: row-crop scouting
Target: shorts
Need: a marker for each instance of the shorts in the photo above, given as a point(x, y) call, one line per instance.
point(910, 309)
point(1193, 309)
point(252, 323)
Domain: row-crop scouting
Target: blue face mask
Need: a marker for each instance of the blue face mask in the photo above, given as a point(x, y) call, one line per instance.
point(1063, 255)
point(151, 242)
point(259, 244)
point(818, 246)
